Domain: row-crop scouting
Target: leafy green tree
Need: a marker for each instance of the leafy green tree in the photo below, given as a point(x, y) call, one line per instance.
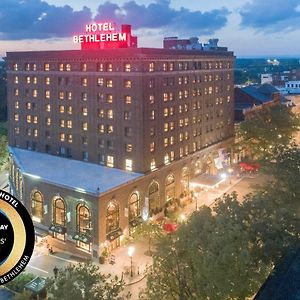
point(84, 281)
point(18, 283)
point(266, 130)
point(209, 257)
point(148, 230)
point(3, 152)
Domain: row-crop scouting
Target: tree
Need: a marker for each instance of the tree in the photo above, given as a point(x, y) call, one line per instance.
point(3, 152)
point(209, 257)
point(84, 281)
point(147, 230)
point(18, 283)
point(263, 132)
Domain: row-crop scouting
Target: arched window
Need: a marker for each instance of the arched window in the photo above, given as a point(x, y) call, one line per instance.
point(154, 201)
point(134, 206)
point(170, 187)
point(83, 219)
point(59, 211)
point(112, 217)
point(37, 201)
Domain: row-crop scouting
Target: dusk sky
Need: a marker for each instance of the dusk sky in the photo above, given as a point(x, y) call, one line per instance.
point(248, 27)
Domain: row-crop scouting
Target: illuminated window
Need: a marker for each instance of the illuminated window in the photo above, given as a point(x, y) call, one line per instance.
point(84, 111)
point(127, 115)
point(101, 128)
point(28, 131)
point(127, 84)
point(109, 83)
point(151, 67)
point(100, 81)
point(34, 93)
point(152, 114)
point(180, 152)
point(83, 224)
point(109, 67)
point(28, 119)
point(128, 99)
point(101, 113)
point(152, 164)
point(48, 107)
point(17, 130)
point(47, 80)
point(83, 67)
point(48, 121)
point(152, 147)
point(112, 217)
point(37, 205)
point(61, 67)
point(228, 99)
point(70, 138)
point(171, 126)
point(15, 67)
point(210, 90)
point(110, 114)
point(181, 137)
point(128, 147)
point(84, 96)
point(35, 132)
point(152, 131)
point(85, 126)
point(128, 164)
point(17, 117)
point(166, 97)
point(47, 94)
point(62, 137)
point(127, 67)
point(34, 80)
point(69, 95)
point(69, 110)
point(166, 112)
point(166, 142)
point(110, 161)
point(109, 98)
point(151, 83)
point(27, 67)
point(166, 127)
point(16, 79)
point(84, 81)
point(172, 156)
point(16, 92)
point(134, 207)
point(16, 104)
point(61, 95)
point(69, 123)
point(151, 99)
point(68, 67)
point(100, 67)
point(166, 159)
point(61, 123)
point(110, 129)
point(172, 140)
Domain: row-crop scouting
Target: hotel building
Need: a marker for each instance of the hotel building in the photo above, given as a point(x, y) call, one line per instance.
point(100, 138)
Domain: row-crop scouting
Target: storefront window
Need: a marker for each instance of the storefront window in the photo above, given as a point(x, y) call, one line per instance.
point(112, 217)
point(185, 180)
point(83, 221)
point(37, 202)
point(59, 217)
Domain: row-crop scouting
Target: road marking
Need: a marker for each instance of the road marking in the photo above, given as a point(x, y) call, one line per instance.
point(64, 259)
point(35, 268)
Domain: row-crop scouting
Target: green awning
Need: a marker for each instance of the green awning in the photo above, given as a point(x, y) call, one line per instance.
point(81, 237)
point(114, 234)
point(57, 228)
point(36, 285)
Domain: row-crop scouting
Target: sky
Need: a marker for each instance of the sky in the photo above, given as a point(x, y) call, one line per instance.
point(250, 28)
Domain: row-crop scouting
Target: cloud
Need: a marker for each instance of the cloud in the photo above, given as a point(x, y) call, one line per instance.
point(159, 14)
point(24, 19)
point(271, 16)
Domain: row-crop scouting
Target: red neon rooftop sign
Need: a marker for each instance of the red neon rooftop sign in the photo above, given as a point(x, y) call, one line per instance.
point(100, 32)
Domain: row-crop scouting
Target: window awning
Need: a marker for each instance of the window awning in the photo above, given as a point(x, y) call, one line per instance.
point(57, 228)
point(36, 285)
point(135, 222)
point(81, 237)
point(114, 234)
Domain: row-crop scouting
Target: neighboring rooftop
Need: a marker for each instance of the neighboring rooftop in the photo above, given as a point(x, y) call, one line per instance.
point(262, 93)
point(74, 174)
point(284, 281)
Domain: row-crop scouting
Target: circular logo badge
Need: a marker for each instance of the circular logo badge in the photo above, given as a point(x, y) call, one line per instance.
point(16, 237)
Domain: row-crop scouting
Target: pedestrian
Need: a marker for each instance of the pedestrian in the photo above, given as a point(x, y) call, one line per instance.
point(55, 271)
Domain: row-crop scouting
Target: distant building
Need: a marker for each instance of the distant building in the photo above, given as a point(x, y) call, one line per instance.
point(266, 78)
point(284, 281)
point(292, 87)
point(254, 97)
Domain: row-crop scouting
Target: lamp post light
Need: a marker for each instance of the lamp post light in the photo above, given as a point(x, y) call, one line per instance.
point(130, 254)
point(223, 176)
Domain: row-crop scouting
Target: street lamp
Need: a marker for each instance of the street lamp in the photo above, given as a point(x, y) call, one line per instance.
point(130, 254)
point(223, 176)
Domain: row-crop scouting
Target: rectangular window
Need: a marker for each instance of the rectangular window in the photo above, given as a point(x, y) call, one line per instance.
point(47, 94)
point(109, 98)
point(109, 67)
point(69, 110)
point(84, 126)
point(62, 137)
point(110, 161)
point(151, 67)
point(48, 107)
point(109, 83)
point(17, 117)
point(61, 123)
point(84, 81)
point(83, 67)
point(69, 123)
point(84, 96)
point(61, 109)
point(128, 164)
point(47, 80)
point(110, 114)
point(127, 67)
point(128, 99)
point(127, 84)
point(100, 81)
point(68, 67)
point(61, 67)
point(101, 128)
point(46, 67)
point(84, 111)
point(128, 147)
